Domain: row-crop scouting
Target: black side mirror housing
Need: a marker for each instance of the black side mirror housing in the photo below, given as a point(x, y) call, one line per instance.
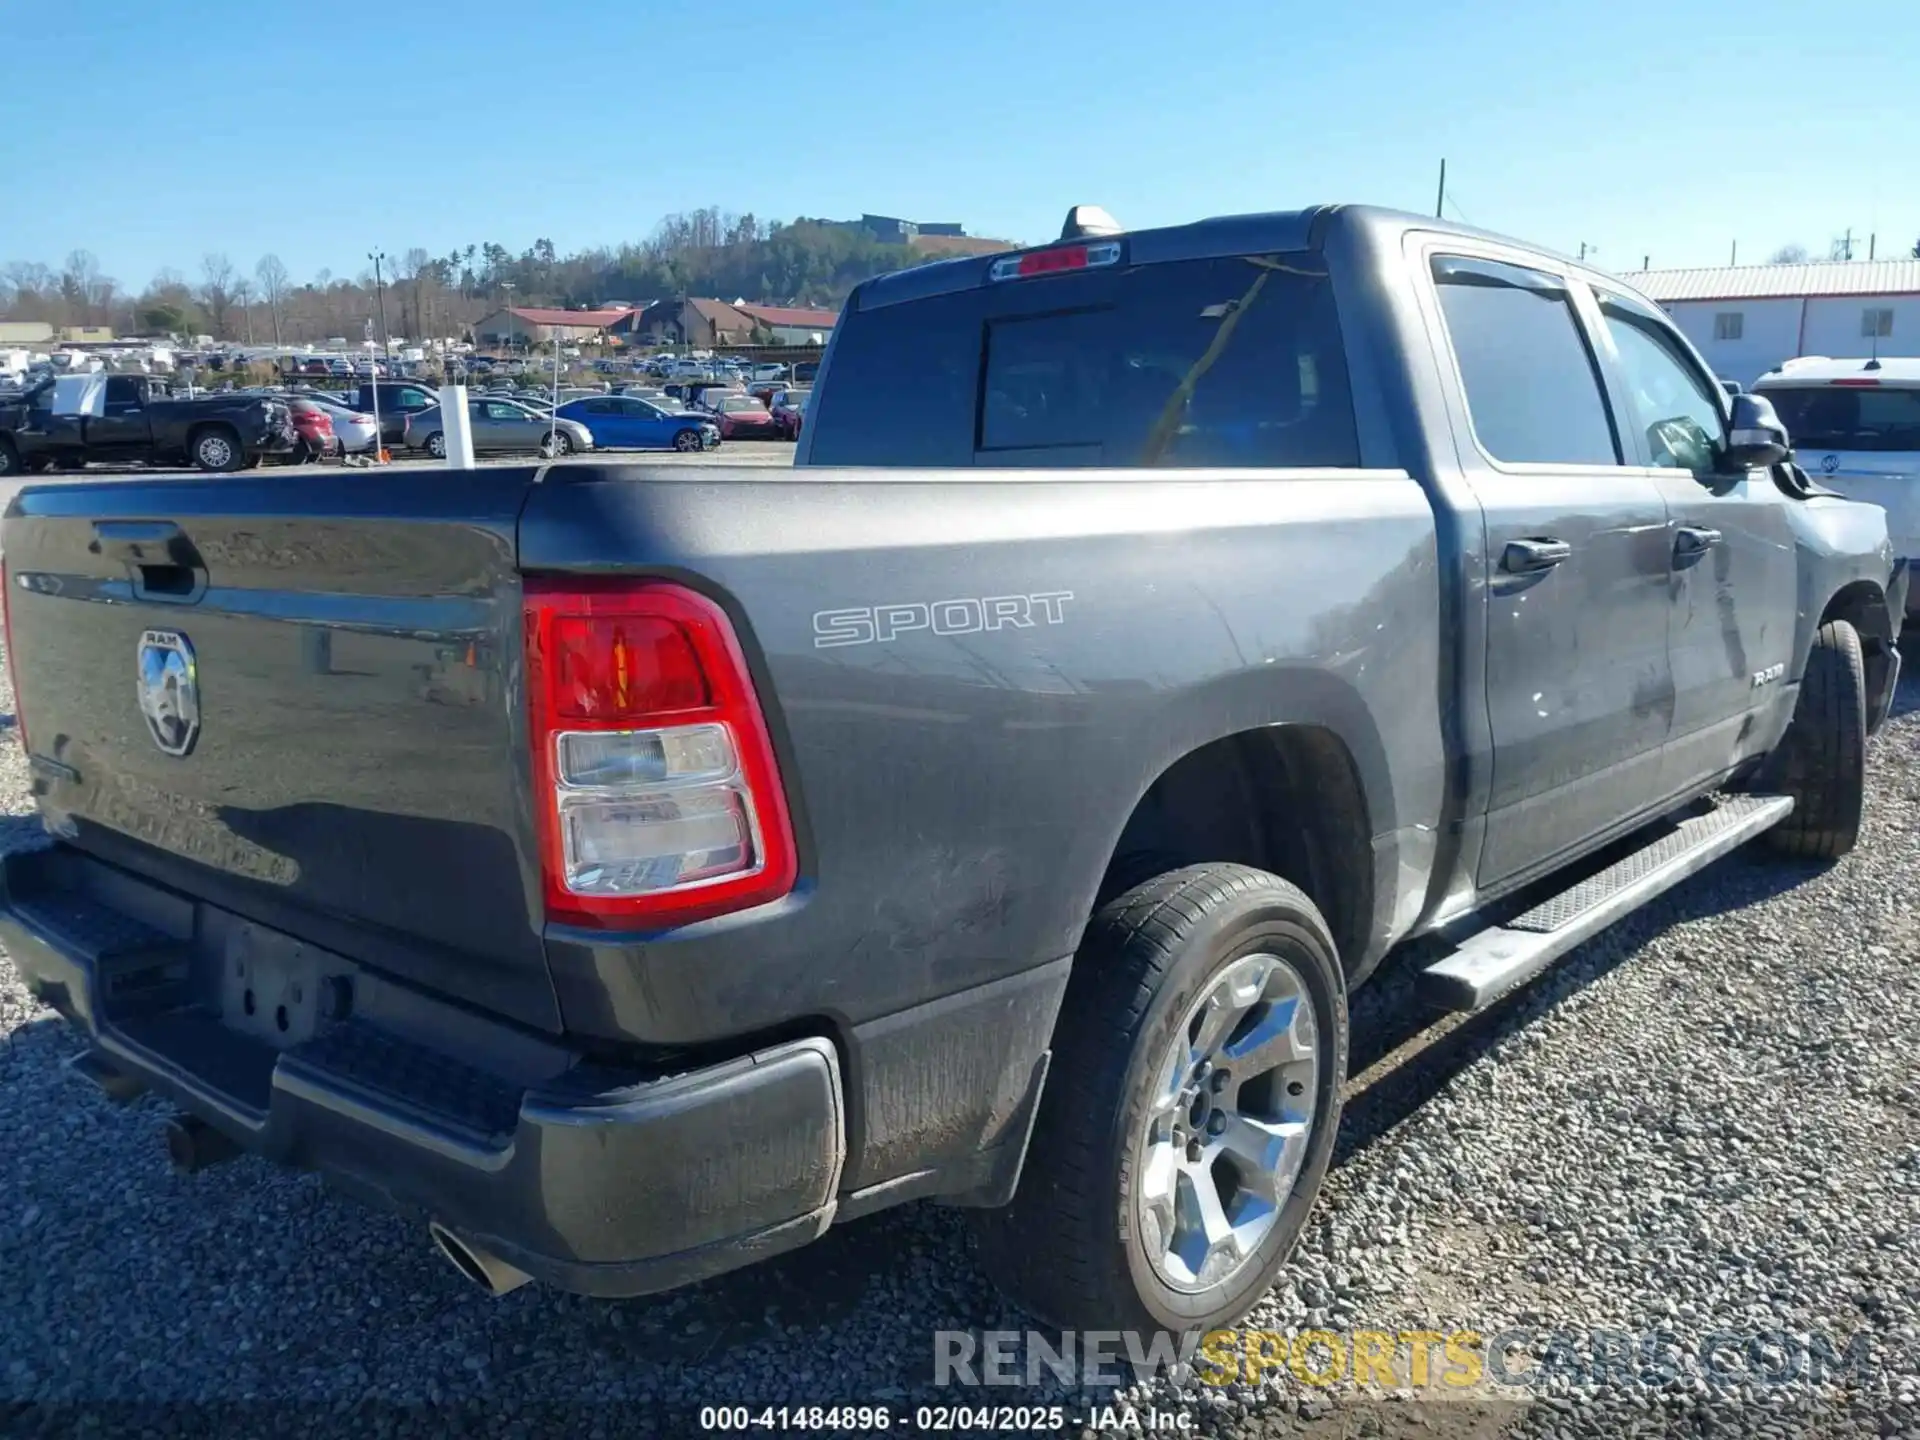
point(1755, 437)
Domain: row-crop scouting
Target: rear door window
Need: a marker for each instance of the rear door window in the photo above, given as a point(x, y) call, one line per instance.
point(1226, 362)
point(1533, 390)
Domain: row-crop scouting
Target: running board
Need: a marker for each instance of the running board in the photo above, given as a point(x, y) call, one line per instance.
point(1489, 964)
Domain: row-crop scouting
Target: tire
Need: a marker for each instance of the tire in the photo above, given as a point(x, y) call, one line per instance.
point(687, 441)
point(216, 448)
point(9, 458)
point(1080, 1246)
point(1822, 759)
point(555, 444)
point(437, 445)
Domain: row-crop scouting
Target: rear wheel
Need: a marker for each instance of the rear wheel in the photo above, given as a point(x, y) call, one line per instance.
point(217, 448)
point(1822, 759)
point(1190, 1108)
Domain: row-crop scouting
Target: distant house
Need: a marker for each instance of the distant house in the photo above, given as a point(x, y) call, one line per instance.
point(694, 321)
point(535, 325)
point(1746, 319)
point(791, 325)
point(25, 332)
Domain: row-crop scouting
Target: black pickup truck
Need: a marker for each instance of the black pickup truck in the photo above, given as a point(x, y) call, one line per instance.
point(68, 422)
point(634, 873)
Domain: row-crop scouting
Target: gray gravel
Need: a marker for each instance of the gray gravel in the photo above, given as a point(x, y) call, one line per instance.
point(1706, 1120)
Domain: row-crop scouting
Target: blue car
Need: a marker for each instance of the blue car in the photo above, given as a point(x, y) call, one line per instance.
point(622, 422)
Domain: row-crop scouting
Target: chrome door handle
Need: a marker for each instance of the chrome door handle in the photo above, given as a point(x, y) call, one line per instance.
point(1523, 557)
point(1692, 541)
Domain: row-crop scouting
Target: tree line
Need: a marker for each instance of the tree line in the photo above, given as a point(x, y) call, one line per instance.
point(705, 252)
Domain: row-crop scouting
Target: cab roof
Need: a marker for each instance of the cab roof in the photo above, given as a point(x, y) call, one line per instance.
point(1903, 371)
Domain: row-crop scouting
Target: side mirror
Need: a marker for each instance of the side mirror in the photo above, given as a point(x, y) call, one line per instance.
point(1755, 437)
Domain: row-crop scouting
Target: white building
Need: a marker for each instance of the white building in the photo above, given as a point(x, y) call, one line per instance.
point(1746, 319)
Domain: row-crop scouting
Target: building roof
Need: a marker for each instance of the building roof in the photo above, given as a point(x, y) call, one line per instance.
point(1763, 282)
point(580, 319)
point(789, 315)
point(716, 312)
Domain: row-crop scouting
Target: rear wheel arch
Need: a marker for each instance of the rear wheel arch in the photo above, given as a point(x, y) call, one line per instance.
point(1288, 799)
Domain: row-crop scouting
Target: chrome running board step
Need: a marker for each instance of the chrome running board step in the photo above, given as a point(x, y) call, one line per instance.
point(1494, 961)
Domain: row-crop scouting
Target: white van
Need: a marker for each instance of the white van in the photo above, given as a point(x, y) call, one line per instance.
point(1855, 427)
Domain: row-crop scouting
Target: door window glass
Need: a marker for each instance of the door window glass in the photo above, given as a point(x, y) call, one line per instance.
point(1533, 392)
point(1676, 408)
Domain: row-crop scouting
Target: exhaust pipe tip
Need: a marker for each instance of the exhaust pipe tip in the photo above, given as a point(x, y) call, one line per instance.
point(488, 1271)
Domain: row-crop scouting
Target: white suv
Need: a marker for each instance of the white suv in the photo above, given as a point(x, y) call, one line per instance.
point(1855, 426)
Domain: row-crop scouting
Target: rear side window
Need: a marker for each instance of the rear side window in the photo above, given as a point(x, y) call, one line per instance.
point(1532, 388)
point(1844, 417)
point(1227, 362)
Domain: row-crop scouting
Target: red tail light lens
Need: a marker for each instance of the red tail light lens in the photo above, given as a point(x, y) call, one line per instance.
point(660, 799)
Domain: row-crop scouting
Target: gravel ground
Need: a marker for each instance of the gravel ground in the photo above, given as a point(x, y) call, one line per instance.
point(1707, 1120)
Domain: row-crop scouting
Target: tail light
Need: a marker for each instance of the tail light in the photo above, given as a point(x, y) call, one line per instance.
point(660, 800)
point(13, 665)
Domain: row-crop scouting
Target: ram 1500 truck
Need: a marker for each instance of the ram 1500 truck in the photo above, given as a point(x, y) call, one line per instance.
point(633, 872)
point(72, 420)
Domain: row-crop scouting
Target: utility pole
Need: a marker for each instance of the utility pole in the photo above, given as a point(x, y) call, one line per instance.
point(507, 285)
point(1733, 258)
point(378, 257)
point(1440, 201)
point(1586, 249)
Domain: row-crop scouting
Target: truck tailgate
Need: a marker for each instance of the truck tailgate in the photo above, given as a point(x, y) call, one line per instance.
point(294, 696)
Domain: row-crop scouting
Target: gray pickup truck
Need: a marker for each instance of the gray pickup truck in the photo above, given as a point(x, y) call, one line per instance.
point(633, 871)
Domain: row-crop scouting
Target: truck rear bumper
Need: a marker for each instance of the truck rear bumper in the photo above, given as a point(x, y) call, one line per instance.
point(595, 1181)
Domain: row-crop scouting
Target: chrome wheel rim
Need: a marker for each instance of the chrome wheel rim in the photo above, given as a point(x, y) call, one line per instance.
point(437, 446)
point(1228, 1123)
point(215, 451)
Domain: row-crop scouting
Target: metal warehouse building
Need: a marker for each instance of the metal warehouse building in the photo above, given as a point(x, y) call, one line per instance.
point(1746, 319)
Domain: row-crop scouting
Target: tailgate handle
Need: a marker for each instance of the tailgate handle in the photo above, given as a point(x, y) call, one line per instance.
point(160, 559)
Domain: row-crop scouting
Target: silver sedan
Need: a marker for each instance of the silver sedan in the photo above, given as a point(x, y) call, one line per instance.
point(499, 425)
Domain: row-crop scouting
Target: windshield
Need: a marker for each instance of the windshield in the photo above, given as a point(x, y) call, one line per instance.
point(1234, 361)
point(1874, 418)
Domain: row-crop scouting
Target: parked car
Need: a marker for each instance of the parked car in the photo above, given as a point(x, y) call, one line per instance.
point(684, 868)
point(1855, 425)
point(741, 417)
point(499, 425)
point(396, 400)
point(355, 431)
point(313, 430)
point(789, 410)
point(624, 422)
point(71, 420)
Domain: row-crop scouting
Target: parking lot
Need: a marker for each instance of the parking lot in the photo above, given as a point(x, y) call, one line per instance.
point(1704, 1123)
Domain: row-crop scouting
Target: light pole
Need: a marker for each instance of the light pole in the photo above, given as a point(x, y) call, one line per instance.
point(507, 307)
point(378, 257)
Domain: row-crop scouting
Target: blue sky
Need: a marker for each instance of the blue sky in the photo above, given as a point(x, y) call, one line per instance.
point(152, 134)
